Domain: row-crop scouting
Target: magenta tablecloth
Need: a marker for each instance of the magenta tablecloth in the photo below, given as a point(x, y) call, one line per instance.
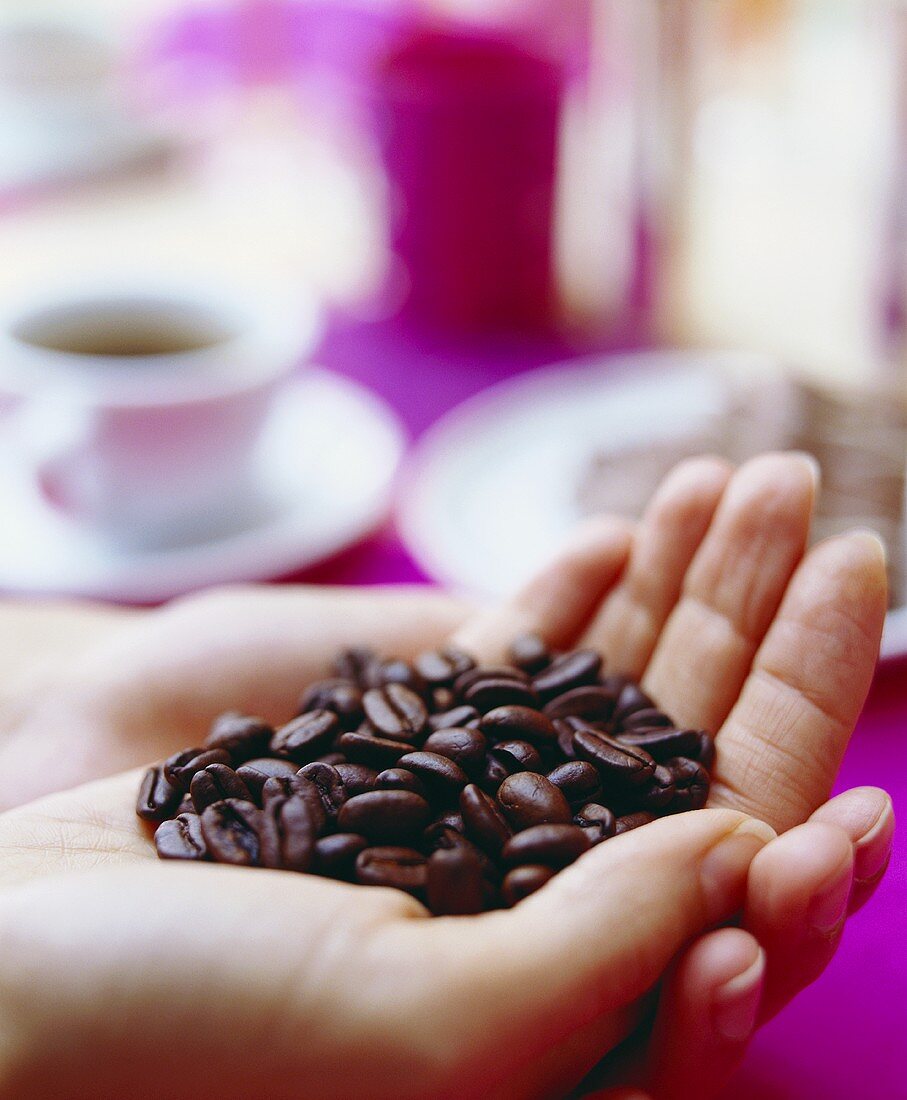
point(845, 1037)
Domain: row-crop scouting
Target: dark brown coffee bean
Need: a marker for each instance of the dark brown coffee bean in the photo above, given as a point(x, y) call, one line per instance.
point(691, 783)
point(402, 868)
point(399, 672)
point(632, 821)
point(570, 670)
point(523, 881)
point(462, 717)
point(529, 653)
point(659, 791)
point(453, 819)
point(331, 758)
point(287, 832)
point(664, 743)
point(441, 667)
point(232, 832)
point(396, 712)
point(306, 737)
point(485, 824)
point(180, 767)
point(335, 856)
point(565, 738)
point(158, 798)
point(619, 765)
point(598, 821)
point(385, 817)
point(464, 682)
point(454, 884)
point(214, 784)
point(488, 694)
point(240, 736)
point(355, 664)
point(464, 746)
point(342, 697)
point(529, 799)
point(186, 806)
point(579, 781)
point(400, 779)
point(181, 838)
point(649, 718)
point(375, 752)
point(329, 786)
point(551, 845)
point(357, 778)
point(516, 756)
point(258, 771)
point(520, 723)
point(591, 703)
point(493, 775)
point(279, 789)
point(631, 698)
point(705, 753)
point(443, 779)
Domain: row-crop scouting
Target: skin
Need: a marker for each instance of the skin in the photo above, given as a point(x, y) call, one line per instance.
point(117, 966)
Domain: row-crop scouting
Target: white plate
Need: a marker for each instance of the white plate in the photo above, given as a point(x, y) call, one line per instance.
point(329, 457)
point(490, 490)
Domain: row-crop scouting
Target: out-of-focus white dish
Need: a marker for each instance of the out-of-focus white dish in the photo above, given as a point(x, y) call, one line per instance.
point(328, 460)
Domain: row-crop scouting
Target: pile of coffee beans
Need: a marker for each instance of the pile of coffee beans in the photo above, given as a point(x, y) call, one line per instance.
point(467, 786)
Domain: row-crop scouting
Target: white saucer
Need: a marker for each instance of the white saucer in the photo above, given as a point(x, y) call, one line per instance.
point(329, 457)
point(490, 491)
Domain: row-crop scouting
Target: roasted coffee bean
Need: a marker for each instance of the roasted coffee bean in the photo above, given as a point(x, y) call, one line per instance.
point(443, 779)
point(493, 775)
point(691, 783)
point(355, 664)
point(181, 838)
point(664, 743)
point(241, 737)
point(579, 781)
point(396, 712)
point(520, 723)
point(619, 765)
point(287, 832)
point(485, 824)
point(551, 845)
point(464, 682)
point(403, 868)
point(452, 818)
point(529, 799)
point(529, 653)
point(399, 779)
point(659, 791)
point(279, 789)
point(342, 697)
point(442, 699)
point(331, 758)
point(357, 778)
point(632, 821)
point(232, 832)
point(186, 806)
point(454, 883)
point(705, 754)
point(158, 798)
point(385, 817)
point(591, 703)
point(307, 736)
point(488, 694)
point(462, 717)
point(327, 782)
point(214, 784)
point(464, 746)
point(335, 855)
point(180, 767)
point(598, 821)
point(649, 718)
point(523, 881)
point(258, 771)
point(399, 672)
point(375, 752)
point(516, 756)
point(570, 670)
point(631, 699)
point(441, 667)
point(565, 739)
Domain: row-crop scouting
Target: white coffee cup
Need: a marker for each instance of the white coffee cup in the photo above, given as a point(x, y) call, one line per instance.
point(137, 410)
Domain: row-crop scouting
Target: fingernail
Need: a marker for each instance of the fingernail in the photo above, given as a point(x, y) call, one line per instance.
point(872, 536)
point(829, 906)
point(735, 1005)
point(872, 851)
point(723, 872)
point(812, 462)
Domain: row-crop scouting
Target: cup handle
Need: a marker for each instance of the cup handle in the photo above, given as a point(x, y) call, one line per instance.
point(52, 438)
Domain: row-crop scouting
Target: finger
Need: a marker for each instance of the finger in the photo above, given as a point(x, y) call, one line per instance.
point(559, 601)
point(796, 907)
point(707, 1014)
point(867, 816)
point(733, 588)
point(592, 941)
point(628, 624)
point(780, 748)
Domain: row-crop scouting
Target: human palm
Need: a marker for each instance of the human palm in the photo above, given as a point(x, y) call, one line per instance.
point(145, 978)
